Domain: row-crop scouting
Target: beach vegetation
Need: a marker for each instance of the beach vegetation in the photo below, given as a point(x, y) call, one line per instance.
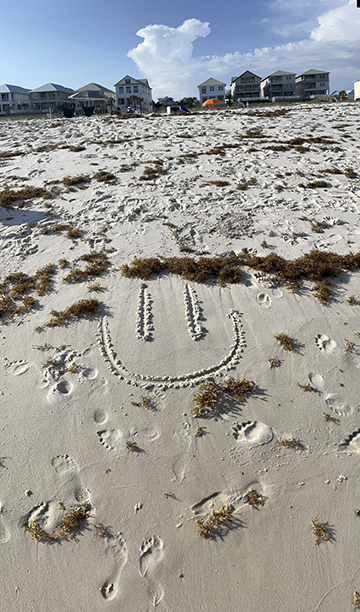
point(200, 431)
point(131, 446)
point(274, 362)
point(356, 600)
point(254, 499)
point(321, 531)
point(285, 341)
point(322, 291)
point(74, 181)
point(103, 176)
point(207, 398)
point(71, 521)
point(95, 287)
point(349, 346)
point(8, 197)
point(305, 386)
point(96, 263)
point(216, 521)
point(352, 300)
point(78, 310)
point(290, 442)
point(237, 388)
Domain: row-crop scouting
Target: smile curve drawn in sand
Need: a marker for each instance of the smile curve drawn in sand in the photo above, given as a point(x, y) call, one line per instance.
point(191, 379)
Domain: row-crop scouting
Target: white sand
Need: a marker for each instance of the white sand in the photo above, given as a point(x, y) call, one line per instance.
point(63, 434)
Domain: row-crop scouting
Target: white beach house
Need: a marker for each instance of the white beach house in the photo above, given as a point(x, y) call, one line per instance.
point(13, 99)
point(211, 89)
point(49, 96)
point(134, 93)
point(245, 87)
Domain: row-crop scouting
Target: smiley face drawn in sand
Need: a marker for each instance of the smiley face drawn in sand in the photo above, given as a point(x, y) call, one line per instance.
point(179, 315)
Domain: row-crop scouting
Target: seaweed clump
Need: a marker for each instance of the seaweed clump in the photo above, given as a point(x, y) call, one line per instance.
point(70, 522)
point(217, 519)
point(96, 263)
point(78, 310)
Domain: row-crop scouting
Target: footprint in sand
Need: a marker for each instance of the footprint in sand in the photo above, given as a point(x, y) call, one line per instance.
point(111, 439)
point(334, 403)
point(117, 547)
point(16, 368)
point(67, 468)
point(59, 391)
point(100, 416)
point(263, 300)
point(151, 554)
point(4, 531)
point(325, 344)
point(316, 381)
point(253, 433)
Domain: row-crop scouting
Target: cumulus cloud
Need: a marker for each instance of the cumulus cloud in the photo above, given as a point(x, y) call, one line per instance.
point(338, 24)
point(166, 57)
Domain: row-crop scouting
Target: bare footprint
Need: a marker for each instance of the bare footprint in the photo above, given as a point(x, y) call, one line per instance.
point(4, 531)
point(316, 381)
point(151, 553)
point(325, 344)
point(117, 547)
point(263, 300)
point(100, 416)
point(67, 468)
point(111, 439)
point(16, 368)
point(253, 433)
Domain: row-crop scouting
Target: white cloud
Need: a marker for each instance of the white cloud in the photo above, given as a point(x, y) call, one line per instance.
point(166, 58)
point(338, 24)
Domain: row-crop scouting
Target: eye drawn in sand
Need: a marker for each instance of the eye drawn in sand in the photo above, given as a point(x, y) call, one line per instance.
point(192, 312)
point(4, 530)
point(253, 433)
point(144, 314)
point(116, 546)
point(325, 344)
point(68, 469)
point(334, 403)
point(163, 382)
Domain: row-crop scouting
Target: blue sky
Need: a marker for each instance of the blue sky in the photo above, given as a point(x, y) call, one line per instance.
point(176, 45)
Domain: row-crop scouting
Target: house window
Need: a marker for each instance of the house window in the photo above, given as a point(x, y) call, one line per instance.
point(322, 85)
point(127, 81)
point(212, 88)
point(203, 90)
point(221, 88)
point(322, 76)
point(5, 96)
point(128, 90)
point(203, 100)
point(34, 96)
point(121, 90)
point(121, 101)
point(136, 89)
point(221, 98)
point(288, 78)
point(288, 86)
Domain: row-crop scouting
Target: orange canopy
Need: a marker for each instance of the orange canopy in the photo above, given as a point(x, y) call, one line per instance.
point(212, 102)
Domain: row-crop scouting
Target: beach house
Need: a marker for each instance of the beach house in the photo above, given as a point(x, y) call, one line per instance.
point(279, 84)
point(135, 93)
point(211, 89)
point(245, 87)
point(312, 83)
point(49, 96)
point(13, 98)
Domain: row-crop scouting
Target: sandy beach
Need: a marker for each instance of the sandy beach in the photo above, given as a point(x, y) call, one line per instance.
point(118, 489)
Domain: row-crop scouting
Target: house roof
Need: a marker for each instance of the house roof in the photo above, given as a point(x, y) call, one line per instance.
point(243, 74)
point(13, 89)
point(211, 82)
point(133, 81)
point(279, 73)
point(96, 87)
point(53, 87)
point(87, 94)
point(312, 71)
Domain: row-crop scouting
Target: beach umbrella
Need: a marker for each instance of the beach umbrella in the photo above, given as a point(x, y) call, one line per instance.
point(212, 102)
